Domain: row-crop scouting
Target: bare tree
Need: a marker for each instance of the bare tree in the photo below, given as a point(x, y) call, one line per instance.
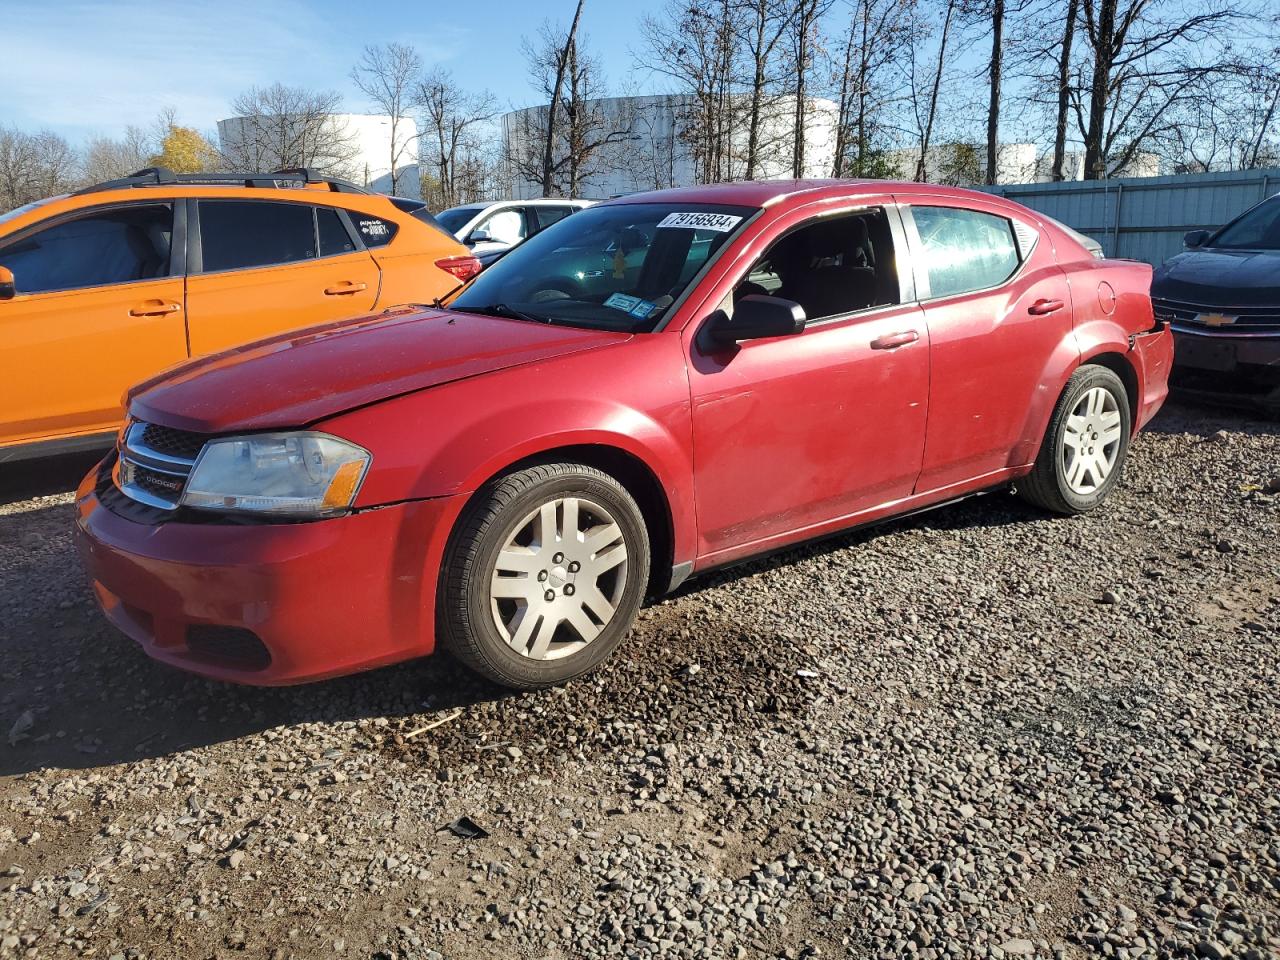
point(1147, 57)
point(278, 126)
point(451, 114)
point(583, 124)
point(762, 27)
point(560, 52)
point(869, 84)
point(924, 98)
point(387, 75)
point(1064, 88)
point(106, 158)
point(804, 27)
point(33, 166)
point(695, 46)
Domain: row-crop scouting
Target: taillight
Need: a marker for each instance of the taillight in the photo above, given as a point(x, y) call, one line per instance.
point(464, 267)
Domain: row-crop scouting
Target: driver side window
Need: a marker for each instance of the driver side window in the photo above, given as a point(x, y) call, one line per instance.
point(831, 267)
point(506, 226)
point(108, 246)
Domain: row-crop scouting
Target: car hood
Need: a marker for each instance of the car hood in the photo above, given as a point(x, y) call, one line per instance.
point(1227, 278)
point(308, 375)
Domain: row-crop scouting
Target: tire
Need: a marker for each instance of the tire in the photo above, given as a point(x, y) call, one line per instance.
point(519, 598)
point(1061, 483)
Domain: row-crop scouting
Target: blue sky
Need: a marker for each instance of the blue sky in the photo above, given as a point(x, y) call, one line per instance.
point(84, 67)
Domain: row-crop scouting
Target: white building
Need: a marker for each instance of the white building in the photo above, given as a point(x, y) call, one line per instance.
point(359, 146)
point(648, 150)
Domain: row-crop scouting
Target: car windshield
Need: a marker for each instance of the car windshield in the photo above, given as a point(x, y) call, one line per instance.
point(1258, 229)
point(456, 218)
point(612, 267)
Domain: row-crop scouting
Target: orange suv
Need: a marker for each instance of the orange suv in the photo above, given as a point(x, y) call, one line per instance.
point(105, 287)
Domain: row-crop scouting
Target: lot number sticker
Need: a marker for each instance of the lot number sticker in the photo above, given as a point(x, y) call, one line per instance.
point(719, 222)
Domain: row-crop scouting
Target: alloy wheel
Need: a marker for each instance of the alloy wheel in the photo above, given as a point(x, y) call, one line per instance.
point(559, 578)
point(1091, 441)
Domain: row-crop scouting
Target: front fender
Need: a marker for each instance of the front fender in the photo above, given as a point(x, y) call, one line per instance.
point(449, 440)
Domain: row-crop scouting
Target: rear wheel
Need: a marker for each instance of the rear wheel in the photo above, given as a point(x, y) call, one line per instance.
point(1084, 448)
point(544, 576)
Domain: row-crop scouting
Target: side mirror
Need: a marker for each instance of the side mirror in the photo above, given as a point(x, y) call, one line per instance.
point(1194, 238)
point(755, 318)
point(7, 289)
point(479, 235)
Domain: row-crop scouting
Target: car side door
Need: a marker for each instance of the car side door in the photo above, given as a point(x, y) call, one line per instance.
point(261, 267)
point(796, 432)
point(999, 314)
point(98, 307)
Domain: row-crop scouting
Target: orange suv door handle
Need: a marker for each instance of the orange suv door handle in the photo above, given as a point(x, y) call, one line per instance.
point(155, 308)
point(892, 340)
point(1042, 307)
point(346, 287)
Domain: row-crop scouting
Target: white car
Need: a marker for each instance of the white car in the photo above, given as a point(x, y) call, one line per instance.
point(492, 228)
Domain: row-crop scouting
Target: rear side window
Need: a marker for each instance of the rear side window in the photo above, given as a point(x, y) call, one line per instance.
point(549, 215)
point(374, 231)
point(332, 233)
point(113, 245)
point(235, 235)
point(964, 250)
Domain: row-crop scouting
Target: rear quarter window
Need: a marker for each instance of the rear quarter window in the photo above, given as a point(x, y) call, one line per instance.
point(374, 231)
point(964, 250)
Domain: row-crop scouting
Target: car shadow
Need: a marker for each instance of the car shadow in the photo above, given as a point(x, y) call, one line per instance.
point(45, 477)
point(1183, 416)
point(76, 694)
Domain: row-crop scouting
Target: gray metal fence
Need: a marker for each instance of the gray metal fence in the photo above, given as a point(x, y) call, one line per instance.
point(1144, 218)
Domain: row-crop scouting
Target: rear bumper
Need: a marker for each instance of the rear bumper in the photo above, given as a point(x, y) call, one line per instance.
point(270, 604)
point(1153, 354)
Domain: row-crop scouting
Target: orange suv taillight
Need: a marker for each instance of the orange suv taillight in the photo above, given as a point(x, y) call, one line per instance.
point(464, 268)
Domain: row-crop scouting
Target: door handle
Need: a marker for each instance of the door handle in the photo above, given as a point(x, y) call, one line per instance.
point(155, 308)
point(344, 288)
point(1042, 307)
point(891, 341)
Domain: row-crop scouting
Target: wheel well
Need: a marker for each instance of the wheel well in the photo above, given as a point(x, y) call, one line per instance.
point(1118, 364)
point(634, 474)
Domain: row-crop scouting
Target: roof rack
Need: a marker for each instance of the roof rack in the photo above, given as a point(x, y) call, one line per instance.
point(286, 178)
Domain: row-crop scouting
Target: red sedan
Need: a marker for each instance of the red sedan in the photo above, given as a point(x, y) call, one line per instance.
point(651, 388)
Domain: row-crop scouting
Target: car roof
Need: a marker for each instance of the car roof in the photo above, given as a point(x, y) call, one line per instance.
point(765, 193)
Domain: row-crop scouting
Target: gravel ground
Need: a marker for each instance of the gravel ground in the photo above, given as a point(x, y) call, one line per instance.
point(981, 732)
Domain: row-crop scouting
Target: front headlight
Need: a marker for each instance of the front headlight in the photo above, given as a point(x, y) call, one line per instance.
point(289, 474)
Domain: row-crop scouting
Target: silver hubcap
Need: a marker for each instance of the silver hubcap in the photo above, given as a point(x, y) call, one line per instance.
point(558, 579)
point(1091, 442)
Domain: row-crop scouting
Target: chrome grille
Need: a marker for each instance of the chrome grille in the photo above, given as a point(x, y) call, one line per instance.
point(155, 463)
point(1249, 321)
point(176, 443)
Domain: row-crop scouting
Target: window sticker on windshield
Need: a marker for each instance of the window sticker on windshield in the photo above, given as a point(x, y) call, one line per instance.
point(620, 301)
point(719, 222)
point(642, 309)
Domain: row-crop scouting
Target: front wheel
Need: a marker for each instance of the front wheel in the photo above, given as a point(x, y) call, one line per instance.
point(544, 576)
point(1085, 446)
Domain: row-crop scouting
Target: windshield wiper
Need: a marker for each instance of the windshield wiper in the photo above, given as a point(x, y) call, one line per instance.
point(503, 310)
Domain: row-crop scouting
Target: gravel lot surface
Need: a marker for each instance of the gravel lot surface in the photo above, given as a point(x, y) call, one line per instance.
point(981, 732)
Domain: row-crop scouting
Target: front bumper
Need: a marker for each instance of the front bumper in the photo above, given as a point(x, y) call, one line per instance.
point(1230, 368)
point(271, 603)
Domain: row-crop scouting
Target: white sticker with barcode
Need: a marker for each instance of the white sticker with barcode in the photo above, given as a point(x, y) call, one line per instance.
point(718, 222)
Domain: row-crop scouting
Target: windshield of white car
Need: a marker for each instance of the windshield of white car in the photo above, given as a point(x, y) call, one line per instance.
point(610, 267)
point(1257, 229)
